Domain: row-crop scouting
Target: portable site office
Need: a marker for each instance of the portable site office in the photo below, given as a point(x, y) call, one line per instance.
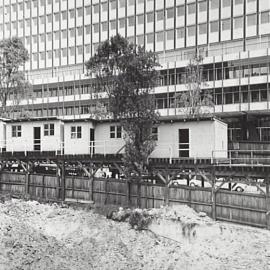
point(175, 137)
point(36, 134)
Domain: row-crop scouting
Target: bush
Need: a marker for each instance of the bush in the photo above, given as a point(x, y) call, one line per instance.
point(139, 219)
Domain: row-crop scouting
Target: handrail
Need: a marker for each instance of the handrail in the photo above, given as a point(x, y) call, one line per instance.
point(242, 156)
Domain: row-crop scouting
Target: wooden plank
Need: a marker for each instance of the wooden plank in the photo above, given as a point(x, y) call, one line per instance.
point(268, 203)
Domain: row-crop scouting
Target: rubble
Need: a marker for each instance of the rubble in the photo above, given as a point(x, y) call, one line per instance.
point(42, 236)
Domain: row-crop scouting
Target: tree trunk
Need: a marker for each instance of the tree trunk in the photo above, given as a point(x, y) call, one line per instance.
point(139, 203)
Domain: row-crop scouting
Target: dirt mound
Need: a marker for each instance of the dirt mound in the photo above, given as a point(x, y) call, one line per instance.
point(36, 236)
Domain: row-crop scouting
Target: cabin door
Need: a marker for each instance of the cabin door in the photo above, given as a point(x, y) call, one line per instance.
point(37, 139)
point(184, 143)
point(92, 141)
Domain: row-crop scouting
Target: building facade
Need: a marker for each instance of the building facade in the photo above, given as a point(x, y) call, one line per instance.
point(233, 36)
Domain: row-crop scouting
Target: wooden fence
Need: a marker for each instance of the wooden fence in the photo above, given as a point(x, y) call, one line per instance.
point(248, 209)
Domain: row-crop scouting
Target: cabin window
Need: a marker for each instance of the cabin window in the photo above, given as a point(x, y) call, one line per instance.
point(49, 130)
point(76, 132)
point(16, 131)
point(155, 133)
point(115, 132)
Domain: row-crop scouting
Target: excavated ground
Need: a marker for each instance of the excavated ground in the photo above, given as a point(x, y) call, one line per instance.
point(41, 236)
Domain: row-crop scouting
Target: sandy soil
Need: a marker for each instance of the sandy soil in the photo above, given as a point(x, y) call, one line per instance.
point(37, 236)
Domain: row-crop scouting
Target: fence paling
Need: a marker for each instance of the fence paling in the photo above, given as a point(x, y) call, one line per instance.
point(225, 205)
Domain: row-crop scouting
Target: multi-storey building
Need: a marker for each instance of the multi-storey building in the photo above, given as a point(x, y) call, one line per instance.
point(232, 35)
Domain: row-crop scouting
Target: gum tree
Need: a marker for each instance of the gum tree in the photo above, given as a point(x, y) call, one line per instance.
point(127, 74)
point(13, 56)
point(195, 102)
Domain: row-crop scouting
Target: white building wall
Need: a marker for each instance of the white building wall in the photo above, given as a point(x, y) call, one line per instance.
point(77, 145)
point(202, 139)
point(26, 141)
point(2, 135)
point(221, 140)
point(103, 142)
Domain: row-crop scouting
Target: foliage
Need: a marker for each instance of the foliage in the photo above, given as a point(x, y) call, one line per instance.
point(195, 102)
point(13, 56)
point(127, 74)
point(139, 219)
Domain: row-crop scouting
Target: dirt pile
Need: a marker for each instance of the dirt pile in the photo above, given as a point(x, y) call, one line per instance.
point(36, 236)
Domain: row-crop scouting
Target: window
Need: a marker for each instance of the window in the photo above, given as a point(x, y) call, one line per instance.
point(226, 3)
point(150, 38)
point(122, 3)
point(140, 40)
point(202, 6)
point(96, 9)
point(214, 4)
point(87, 10)
point(113, 4)
point(96, 28)
point(49, 18)
point(170, 13)
point(202, 29)
point(72, 51)
point(76, 132)
point(159, 37)
point(72, 32)
point(238, 2)
point(71, 14)
point(251, 20)
point(238, 23)
point(56, 17)
point(79, 12)
point(113, 25)
point(191, 9)
point(104, 27)
point(191, 31)
point(131, 21)
point(140, 19)
point(56, 35)
point(131, 2)
point(42, 20)
point(122, 23)
point(180, 11)
point(180, 33)
point(115, 132)
point(170, 35)
point(64, 34)
point(64, 53)
point(49, 130)
point(265, 17)
point(16, 131)
point(104, 7)
point(150, 17)
point(155, 133)
point(214, 27)
point(226, 25)
point(159, 15)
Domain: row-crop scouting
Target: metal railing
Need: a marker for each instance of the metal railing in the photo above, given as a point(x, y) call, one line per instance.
point(249, 157)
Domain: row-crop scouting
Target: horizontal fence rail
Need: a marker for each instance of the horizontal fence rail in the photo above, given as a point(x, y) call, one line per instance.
point(242, 208)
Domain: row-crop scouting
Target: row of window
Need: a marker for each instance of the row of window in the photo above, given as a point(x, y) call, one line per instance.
point(232, 95)
point(236, 22)
point(218, 71)
point(105, 6)
point(16, 130)
point(262, 134)
point(63, 34)
point(176, 76)
point(76, 131)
